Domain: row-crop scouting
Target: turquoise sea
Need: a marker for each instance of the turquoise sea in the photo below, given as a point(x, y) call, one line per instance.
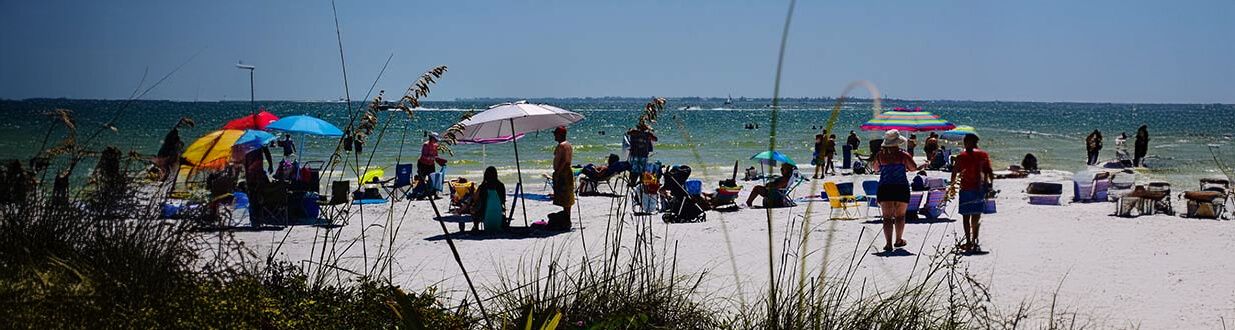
point(1179, 146)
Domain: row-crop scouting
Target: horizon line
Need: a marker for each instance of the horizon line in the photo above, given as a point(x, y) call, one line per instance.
point(511, 99)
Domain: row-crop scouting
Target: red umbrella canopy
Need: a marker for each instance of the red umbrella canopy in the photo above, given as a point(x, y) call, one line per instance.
point(256, 121)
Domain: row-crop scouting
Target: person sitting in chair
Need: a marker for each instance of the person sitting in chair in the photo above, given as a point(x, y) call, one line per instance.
point(613, 166)
point(490, 202)
point(773, 192)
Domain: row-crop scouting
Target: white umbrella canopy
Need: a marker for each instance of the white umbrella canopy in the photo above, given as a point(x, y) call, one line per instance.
point(507, 122)
point(509, 119)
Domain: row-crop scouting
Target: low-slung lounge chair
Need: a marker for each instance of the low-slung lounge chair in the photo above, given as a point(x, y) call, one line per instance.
point(843, 207)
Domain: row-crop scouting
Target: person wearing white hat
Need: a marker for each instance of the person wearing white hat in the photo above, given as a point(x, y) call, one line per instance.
point(429, 158)
point(892, 163)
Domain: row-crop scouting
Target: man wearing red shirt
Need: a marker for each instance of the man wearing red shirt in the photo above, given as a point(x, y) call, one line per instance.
point(973, 166)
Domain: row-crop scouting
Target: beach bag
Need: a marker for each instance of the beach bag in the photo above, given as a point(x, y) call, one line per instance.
point(859, 167)
point(989, 208)
point(559, 221)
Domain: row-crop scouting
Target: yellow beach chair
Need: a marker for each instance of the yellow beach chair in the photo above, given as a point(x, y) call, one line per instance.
point(844, 207)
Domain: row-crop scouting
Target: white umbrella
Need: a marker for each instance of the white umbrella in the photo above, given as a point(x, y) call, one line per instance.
point(506, 121)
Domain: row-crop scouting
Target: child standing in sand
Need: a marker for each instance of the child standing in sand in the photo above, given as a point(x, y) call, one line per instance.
point(973, 166)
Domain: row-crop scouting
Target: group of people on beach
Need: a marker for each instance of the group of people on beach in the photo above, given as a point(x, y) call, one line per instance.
point(1140, 147)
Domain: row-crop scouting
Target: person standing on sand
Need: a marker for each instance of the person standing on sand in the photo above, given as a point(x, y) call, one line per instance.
point(167, 160)
point(853, 141)
point(913, 143)
point(829, 152)
point(1121, 142)
point(1140, 146)
point(563, 177)
point(973, 166)
point(817, 157)
point(288, 145)
point(1093, 145)
point(641, 139)
point(428, 158)
point(892, 163)
point(851, 144)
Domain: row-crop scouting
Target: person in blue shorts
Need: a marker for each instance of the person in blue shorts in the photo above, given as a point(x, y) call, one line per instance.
point(973, 167)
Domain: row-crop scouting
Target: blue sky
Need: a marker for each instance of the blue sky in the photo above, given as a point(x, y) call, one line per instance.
point(1107, 51)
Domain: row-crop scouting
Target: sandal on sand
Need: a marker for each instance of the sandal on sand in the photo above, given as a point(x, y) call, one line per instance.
point(887, 248)
point(901, 242)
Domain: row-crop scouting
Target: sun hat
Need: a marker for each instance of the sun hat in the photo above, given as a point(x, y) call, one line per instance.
point(893, 138)
point(433, 135)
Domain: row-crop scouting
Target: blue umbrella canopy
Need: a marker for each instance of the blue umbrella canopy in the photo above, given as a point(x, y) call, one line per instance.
point(305, 125)
point(958, 133)
point(253, 140)
point(768, 156)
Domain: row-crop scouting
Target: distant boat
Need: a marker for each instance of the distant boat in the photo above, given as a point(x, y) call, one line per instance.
point(729, 100)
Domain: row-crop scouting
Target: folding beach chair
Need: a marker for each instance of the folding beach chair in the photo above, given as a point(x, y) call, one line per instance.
point(462, 193)
point(915, 205)
point(1044, 193)
point(398, 187)
point(1163, 204)
point(843, 207)
point(934, 207)
point(336, 206)
point(871, 190)
point(1210, 201)
point(269, 204)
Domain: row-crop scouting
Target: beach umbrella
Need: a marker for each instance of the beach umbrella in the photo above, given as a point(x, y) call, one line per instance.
point(907, 121)
point(305, 125)
point(773, 156)
point(507, 121)
point(254, 121)
point(253, 139)
point(958, 133)
point(213, 150)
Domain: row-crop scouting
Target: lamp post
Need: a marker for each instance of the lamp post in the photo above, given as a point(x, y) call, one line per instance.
point(252, 99)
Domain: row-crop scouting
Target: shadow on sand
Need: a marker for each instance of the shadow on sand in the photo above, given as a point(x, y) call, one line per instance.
point(894, 253)
point(921, 221)
point(509, 233)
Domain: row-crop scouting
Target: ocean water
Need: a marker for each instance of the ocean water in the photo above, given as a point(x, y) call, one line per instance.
point(1180, 146)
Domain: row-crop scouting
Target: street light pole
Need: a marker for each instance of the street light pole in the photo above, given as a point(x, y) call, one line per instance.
point(252, 98)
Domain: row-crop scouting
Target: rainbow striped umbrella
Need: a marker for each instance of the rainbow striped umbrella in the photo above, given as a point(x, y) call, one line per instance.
point(907, 121)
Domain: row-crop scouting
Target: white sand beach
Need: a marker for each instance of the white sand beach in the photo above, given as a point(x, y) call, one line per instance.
point(1151, 272)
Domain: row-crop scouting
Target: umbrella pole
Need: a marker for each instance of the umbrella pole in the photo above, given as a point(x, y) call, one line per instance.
point(519, 171)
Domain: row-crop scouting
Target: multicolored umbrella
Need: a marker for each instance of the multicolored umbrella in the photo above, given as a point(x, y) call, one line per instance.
point(958, 133)
point(255, 121)
point(213, 150)
point(907, 121)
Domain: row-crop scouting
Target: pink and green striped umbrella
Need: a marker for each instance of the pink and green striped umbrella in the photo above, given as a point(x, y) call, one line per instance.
point(907, 121)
